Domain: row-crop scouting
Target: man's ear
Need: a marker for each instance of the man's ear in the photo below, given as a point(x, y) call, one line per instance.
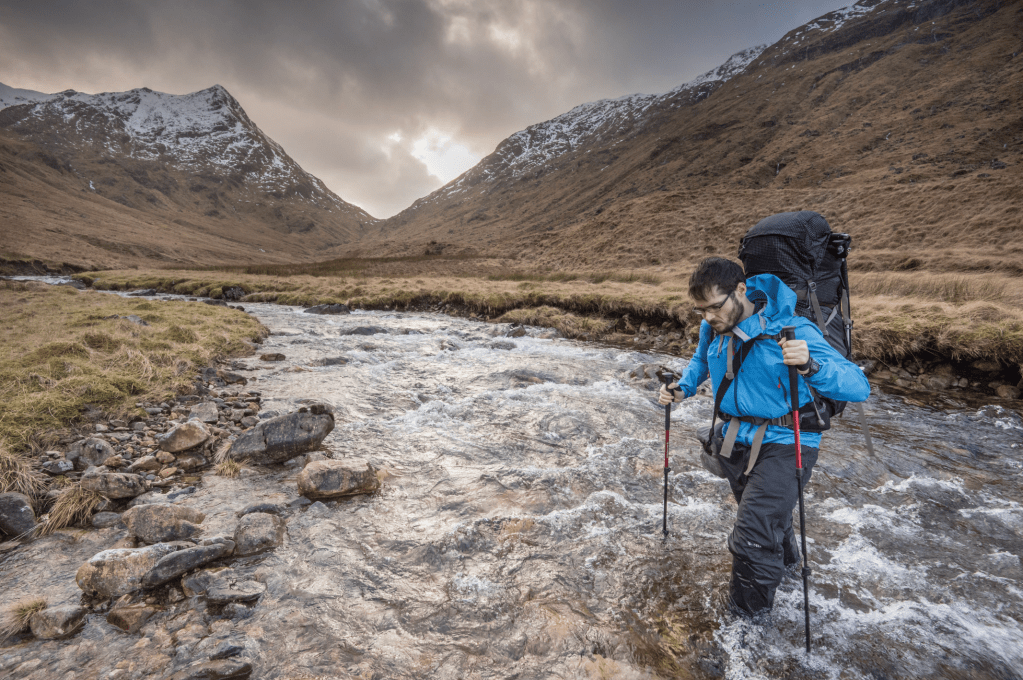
point(741, 288)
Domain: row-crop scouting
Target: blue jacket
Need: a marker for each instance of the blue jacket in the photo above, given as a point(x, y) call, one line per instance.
point(761, 387)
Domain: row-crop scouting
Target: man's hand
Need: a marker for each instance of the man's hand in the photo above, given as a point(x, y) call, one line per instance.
point(665, 397)
point(794, 352)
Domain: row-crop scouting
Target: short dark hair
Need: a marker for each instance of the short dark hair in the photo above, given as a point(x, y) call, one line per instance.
point(715, 272)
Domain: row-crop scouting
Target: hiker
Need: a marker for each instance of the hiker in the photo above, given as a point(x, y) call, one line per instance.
point(740, 346)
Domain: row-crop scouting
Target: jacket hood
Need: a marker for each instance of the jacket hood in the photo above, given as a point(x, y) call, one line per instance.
point(779, 305)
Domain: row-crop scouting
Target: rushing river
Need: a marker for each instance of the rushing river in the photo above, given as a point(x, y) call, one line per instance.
point(518, 529)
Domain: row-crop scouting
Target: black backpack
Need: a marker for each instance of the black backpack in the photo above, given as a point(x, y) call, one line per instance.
point(801, 250)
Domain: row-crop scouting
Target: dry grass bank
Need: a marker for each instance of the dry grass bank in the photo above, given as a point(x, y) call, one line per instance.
point(958, 316)
point(64, 351)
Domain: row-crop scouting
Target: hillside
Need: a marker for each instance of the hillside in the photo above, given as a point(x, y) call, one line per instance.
point(898, 120)
point(118, 179)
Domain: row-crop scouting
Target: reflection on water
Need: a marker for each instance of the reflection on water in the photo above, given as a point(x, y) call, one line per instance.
point(517, 532)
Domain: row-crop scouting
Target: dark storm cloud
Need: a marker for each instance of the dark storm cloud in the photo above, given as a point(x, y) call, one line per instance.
point(337, 83)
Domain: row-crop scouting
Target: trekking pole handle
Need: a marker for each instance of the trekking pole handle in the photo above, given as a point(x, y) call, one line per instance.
point(789, 332)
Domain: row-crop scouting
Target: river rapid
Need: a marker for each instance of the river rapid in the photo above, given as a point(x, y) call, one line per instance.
point(517, 532)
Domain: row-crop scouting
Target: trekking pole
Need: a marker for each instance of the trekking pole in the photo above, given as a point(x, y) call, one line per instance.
point(789, 333)
point(666, 377)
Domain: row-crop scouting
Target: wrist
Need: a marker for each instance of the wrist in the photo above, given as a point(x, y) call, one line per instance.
point(809, 368)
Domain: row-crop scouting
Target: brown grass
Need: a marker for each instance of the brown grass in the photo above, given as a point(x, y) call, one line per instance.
point(18, 615)
point(17, 475)
point(228, 468)
point(61, 349)
point(74, 506)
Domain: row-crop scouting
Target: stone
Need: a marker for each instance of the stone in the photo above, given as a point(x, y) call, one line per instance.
point(224, 669)
point(181, 562)
point(16, 514)
point(61, 466)
point(278, 439)
point(233, 293)
point(518, 332)
point(258, 532)
point(114, 484)
point(329, 309)
point(986, 366)
point(232, 378)
point(55, 623)
point(168, 472)
point(223, 591)
point(87, 452)
point(1008, 392)
point(270, 508)
point(364, 330)
point(191, 461)
point(272, 356)
point(335, 478)
point(160, 522)
point(114, 462)
point(249, 421)
point(936, 382)
point(130, 618)
point(194, 585)
point(119, 571)
point(330, 361)
point(205, 412)
point(105, 520)
point(185, 436)
point(145, 464)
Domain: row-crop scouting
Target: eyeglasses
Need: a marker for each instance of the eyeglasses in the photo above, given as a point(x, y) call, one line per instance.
point(714, 307)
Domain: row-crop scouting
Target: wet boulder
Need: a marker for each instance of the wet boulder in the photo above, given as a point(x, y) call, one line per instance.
point(105, 520)
point(226, 590)
point(258, 532)
point(185, 436)
point(205, 412)
point(221, 669)
point(284, 437)
point(54, 623)
point(333, 478)
point(130, 618)
point(16, 514)
point(272, 356)
point(120, 571)
point(160, 522)
point(329, 309)
point(181, 562)
point(114, 484)
point(60, 466)
point(364, 330)
point(88, 452)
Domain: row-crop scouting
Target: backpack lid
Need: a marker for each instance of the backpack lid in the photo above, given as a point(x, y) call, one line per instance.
point(793, 242)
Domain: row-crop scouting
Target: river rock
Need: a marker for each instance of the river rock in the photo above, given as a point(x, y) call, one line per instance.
point(936, 382)
point(258, 532)
point(16, 514)
point(1008, 392)
point(119, 571)
point(329, 309)
point(185, 436)
point(105, 520)
point(278, 439)
point(272, 356)
point(224, 591)
point(88, 452)
point(232, 378)
point(183, 561)
point(191, 461)
point(130, 618)
point(333, 478)
point(145, 464)
point(54, 623)
point(114, 484)
point(223, 669)
point(60, 466)
point(205, 412)
point(198, 583)
point(160, 522)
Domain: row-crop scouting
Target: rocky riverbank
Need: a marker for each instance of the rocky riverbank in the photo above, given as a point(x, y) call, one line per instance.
point(159, 568)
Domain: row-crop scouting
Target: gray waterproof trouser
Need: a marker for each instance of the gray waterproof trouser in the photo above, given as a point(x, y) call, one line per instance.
point(762, 541)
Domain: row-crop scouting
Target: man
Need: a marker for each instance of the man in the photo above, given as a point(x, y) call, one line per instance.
point(742, 350)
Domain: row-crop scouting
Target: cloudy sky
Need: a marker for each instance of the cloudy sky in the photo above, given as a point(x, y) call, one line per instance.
point(386, 100)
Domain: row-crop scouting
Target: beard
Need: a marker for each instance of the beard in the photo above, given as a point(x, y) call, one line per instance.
point(726, 324)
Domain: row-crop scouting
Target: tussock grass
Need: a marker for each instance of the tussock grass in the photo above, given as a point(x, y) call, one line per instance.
point(17, 475)
point(568, 324)
point(17, 616)
point(228, 468)
point(74, 505)
point(61, 349)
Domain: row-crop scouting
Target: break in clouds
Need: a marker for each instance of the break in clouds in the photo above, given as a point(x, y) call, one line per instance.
point(384, 100)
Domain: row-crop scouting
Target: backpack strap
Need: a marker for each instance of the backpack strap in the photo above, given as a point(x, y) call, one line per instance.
point(815, 303)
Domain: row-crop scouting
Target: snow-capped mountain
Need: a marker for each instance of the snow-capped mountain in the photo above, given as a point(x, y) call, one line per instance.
point(202, 132)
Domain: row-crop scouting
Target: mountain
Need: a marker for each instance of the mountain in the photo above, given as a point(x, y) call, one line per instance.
point(898, 119)
point(120, 178)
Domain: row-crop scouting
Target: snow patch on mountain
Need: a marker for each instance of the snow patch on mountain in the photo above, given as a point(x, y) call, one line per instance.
point(12, 96)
